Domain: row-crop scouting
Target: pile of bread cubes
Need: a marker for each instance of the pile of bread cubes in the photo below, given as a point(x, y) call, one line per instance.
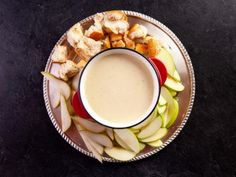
point(110, 30)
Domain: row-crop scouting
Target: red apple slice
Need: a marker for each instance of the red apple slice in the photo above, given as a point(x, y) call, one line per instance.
point(78, 106)
point(161, 68)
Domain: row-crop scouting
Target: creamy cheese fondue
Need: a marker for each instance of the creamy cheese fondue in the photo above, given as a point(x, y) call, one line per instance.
point(119, 88)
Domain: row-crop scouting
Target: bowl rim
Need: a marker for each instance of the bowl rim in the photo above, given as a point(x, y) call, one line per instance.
point(189, 108)
point(148, 61)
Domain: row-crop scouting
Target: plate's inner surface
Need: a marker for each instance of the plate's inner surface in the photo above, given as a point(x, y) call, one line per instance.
point(184, 97)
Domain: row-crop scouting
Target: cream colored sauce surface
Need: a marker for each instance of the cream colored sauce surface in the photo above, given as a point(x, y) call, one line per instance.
point(119, 88)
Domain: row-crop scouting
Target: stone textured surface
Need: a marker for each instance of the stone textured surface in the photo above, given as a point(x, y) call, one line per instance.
point(31, 147)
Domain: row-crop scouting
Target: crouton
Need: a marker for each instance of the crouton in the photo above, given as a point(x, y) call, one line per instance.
point(87, 47)
point(119, 43)
point(74, 34)
point(106, 43)
point(137, 31)
point(67, 70)
point(95, 31)
point(81, 63)
point(116, 22)
point(141, 48)
point(153, 47)
point(128, 42)
point(60, 54)
point(115, 37)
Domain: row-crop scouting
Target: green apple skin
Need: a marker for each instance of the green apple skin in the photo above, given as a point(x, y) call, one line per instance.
point(120, 153)
point(156, 136)
point(175, 114)
point(156, 144)
point(173, 84)
point(150, 129)
point(165, 57)
point(176, 76)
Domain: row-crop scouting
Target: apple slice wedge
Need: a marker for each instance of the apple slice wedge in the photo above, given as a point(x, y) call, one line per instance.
point(150, 129)
point(161, 101)
point(141, 146)
point(135, 130)
point(65, 115)
point(175, 113)
point(90, 147)
point(161, 109)
point(56, 100)
point(173, 84)
point(147, 121)
point(157, 143)
point(99, 138)
point(89, 125)
point(96, 146)
point(63, 87)
point(167, 60)
point(172, 110)
point(156, 136)
point(129, 138)
point(120, 153)
point(176, 76)
point(110, 133)
point(121, 142)
point(173, 93)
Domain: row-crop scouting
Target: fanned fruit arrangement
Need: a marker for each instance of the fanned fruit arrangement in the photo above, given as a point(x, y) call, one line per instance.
point(110, 30)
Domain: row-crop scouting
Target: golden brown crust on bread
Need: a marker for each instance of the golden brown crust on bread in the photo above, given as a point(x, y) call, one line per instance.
point(119, 43)
point(141, 48)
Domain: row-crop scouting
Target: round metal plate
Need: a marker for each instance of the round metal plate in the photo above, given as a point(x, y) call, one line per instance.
point(183, 65)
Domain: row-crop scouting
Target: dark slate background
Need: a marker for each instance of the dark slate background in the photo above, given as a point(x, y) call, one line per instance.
point(30, 145)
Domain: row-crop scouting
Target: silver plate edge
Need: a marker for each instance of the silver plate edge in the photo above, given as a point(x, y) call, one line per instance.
point(192, 79)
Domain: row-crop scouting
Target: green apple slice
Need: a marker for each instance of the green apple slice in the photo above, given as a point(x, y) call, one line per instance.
point(65, 116)
point(90, 147)
point(147, 121)
point(161, 109)
point(89, 125)
point(167, 60)
point(121, 142)
point(156, 136)
point(99, 138)
point(174, 85)
point(161, 101)
point(150, 129)
point(176, 76)
point(120, 153)
point(63, 87)
point(129, 138)
point(175, 113)
point(173, 93)
point(109, 132)
point(135, 130)
point(157, 143)
point(141, 146)
point(171, 110)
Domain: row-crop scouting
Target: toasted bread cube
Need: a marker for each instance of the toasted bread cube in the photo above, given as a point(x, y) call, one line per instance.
point(68, 69)
point(153, 47)
point(60, 54)
point(115, 37)
point(96, 35)
point(74, 34)
point(129, 43)
point(106, 43)
point(137, 31)
point(87, 47)
point(119, 43)
point(141, 48)
point(81, 63)
point(116, 22)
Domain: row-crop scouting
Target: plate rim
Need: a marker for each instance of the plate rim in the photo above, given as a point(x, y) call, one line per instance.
point(190, 105)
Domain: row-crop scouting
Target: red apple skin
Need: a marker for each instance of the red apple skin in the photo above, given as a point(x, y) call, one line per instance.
point(78, 106)
point(161, 68)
